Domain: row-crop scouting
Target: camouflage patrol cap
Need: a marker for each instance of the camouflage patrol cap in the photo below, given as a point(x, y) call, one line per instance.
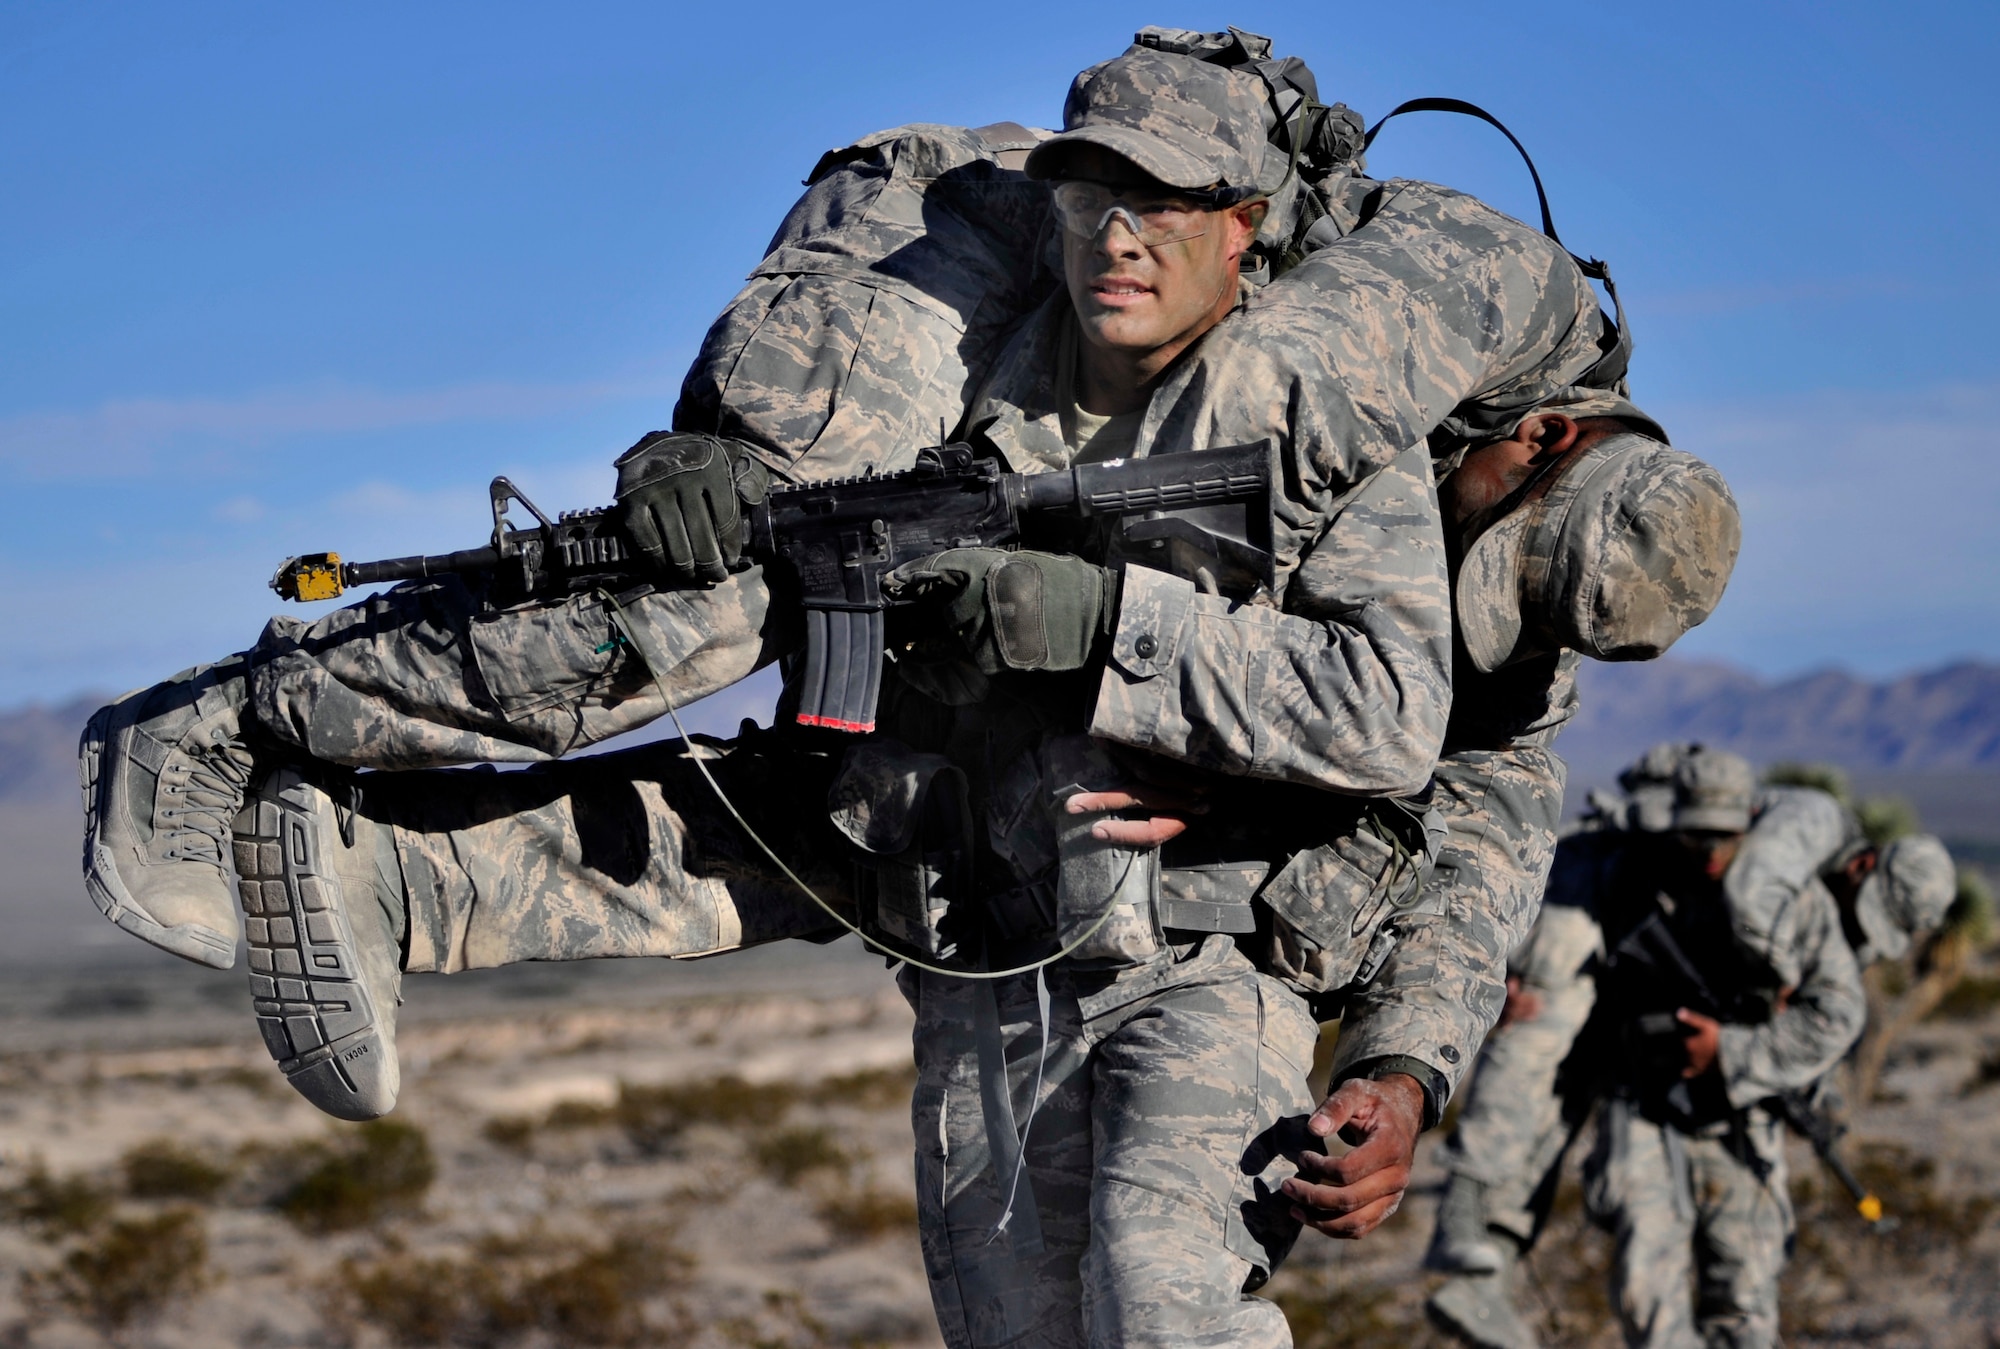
point(1909, 891)
point(1184, 122)
point(1648, 783)
point(1713, 790)
point(1627, 549)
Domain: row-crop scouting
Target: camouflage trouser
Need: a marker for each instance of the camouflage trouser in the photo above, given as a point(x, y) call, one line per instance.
point(1145, 1208)
point(625, 854)
point(1511, 1130)
point(1701, 1238)
point(421, 675)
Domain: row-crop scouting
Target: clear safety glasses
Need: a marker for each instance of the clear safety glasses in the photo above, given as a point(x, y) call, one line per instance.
point(1087, 209)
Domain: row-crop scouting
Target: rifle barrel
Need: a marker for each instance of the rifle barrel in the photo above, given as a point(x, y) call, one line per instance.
point(415, 568)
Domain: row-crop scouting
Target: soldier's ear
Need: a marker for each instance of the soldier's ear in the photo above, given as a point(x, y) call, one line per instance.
point(1245, 221)
point(1553, 433)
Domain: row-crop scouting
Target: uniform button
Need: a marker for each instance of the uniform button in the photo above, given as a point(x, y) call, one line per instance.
point(1449, 1053)
point(1145, 646)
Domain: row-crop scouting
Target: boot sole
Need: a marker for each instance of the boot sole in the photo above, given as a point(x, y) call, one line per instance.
point(100, 869)
point(313, 1007)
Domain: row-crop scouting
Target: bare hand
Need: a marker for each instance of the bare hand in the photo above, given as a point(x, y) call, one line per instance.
point(1523, 1004)
point(1703, 1040)
point(1147, 833)
point(1351, 1195)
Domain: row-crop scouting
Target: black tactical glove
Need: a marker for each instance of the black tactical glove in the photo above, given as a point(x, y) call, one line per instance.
point(1016, 611)
point(681, 500)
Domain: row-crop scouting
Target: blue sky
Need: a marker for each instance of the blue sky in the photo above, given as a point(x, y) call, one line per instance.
point(283, 278)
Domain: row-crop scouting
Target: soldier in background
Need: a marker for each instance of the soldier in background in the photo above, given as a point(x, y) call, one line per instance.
point(1688, 1170)
point(1516, 1125)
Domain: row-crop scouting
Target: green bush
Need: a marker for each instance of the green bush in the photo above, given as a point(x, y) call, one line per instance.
point(1823, 776)
point(56, 1206)
point(161, 1168)
point(1971, 910)
point(593, 1296)
point(787, 1154)
point(382, 1167)
point(132, 1269)
point(654, 1117)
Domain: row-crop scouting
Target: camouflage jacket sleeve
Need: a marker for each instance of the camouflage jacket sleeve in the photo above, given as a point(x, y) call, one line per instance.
point(1441, 990)
point(1797, 832)
point(1347, 688)
point(1823, 1017)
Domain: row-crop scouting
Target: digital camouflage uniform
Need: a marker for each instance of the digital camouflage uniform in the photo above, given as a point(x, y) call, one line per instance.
point(1700, 1215)
point(1511, 1130)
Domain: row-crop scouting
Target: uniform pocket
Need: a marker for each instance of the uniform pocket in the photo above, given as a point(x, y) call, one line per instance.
point(1329, 903)
point(540, 656)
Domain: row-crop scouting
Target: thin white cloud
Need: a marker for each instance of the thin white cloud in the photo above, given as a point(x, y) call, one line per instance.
point(1868, 526)
point(127, 436)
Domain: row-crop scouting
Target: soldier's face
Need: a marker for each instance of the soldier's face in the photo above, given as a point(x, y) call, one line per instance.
point(1711, 851)
point(1137, 300)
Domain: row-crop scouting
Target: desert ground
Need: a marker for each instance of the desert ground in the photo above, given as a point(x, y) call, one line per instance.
point(716, 1154)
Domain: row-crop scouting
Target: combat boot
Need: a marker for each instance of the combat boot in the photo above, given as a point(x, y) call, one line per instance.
point(164, 771)
point(323, 909)
point(1479, 1308)
point(1461, 1243)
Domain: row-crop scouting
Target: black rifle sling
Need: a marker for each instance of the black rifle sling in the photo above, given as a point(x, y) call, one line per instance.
point(1617, 344)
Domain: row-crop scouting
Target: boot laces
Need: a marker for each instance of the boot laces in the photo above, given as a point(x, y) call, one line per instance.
point(199, 827)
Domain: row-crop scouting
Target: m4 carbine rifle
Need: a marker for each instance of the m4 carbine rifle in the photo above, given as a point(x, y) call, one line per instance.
point(1202, 514)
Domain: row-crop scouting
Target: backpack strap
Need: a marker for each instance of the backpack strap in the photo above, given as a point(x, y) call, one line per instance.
point(1616, 345)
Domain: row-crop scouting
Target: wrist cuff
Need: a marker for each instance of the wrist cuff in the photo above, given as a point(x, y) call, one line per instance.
point(1435, 1088)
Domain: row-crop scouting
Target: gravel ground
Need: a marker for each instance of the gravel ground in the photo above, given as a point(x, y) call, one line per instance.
point(715, 1155)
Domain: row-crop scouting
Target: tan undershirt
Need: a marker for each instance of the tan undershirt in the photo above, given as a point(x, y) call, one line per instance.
point(1096, 439)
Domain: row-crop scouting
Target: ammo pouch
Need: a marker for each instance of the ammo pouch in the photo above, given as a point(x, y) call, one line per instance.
point(908, 815)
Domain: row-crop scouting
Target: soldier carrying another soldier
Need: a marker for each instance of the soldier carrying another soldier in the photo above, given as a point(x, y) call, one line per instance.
point(1165, 829)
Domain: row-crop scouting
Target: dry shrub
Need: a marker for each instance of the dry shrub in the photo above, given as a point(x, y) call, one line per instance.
point(161, 1168)
point(56, 1206)
point(783, 1323)
point(790, 1153)
point(131, 1270)
point(655, 1117)
point(861, 1212)
point(515, 1133)
point(1973, 999)
point(579, 1115)
point(364, 1174)
point(869, 1089)
point(505, 1287)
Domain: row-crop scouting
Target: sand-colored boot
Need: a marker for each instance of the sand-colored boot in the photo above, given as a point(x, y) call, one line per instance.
point(1479, 1308)
point(164, 771)
point(1461, 1242)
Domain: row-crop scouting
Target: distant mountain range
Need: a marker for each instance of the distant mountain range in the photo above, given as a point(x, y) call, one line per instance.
point(1939, 721)
point(38, 749)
